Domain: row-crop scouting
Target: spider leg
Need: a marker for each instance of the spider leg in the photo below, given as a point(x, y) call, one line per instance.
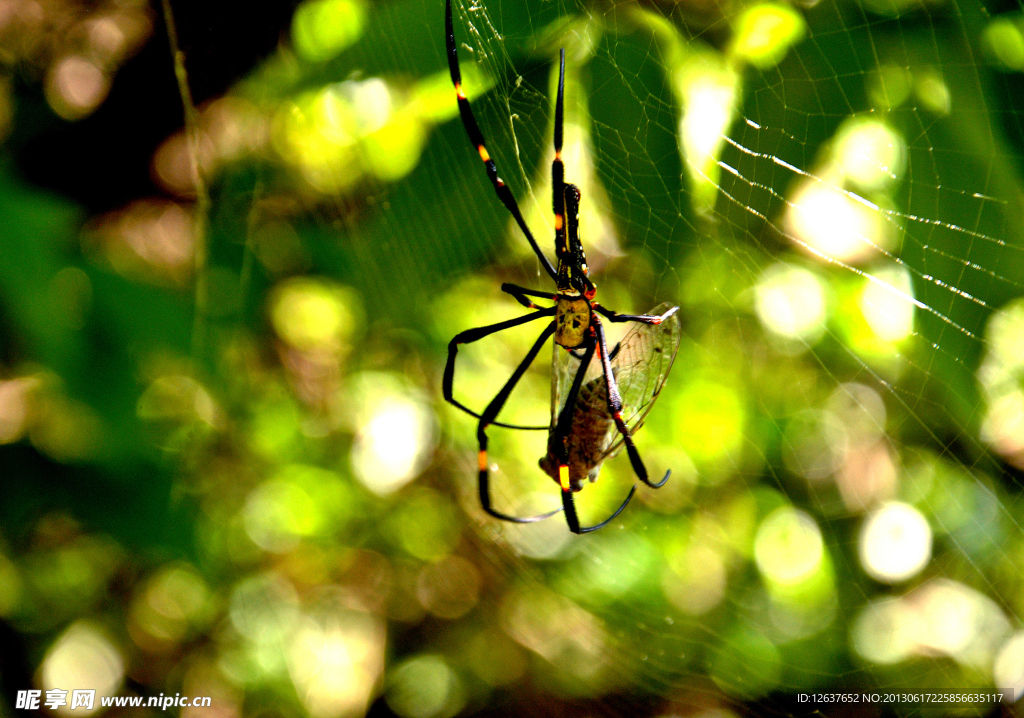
point(472, 335)
point(477, 138)
point(642, 318)
point(557, 166)
point(574, 523)
point(572, 264)
point(521, 294)
point(615, 409)
point(487, 418)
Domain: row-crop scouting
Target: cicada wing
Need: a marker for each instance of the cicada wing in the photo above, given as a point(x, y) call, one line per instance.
point(641, 366)
point(564, 366)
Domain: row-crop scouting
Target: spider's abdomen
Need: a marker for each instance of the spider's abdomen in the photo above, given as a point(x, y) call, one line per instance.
point(572, 320)
point(585, 445)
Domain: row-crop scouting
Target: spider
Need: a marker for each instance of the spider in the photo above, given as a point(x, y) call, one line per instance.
point(576, 328)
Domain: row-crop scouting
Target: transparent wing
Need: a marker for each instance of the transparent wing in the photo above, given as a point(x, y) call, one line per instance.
point(641, 366)
point(564, 365)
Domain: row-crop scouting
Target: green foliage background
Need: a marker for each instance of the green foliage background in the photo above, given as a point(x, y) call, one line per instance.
point(226, 466)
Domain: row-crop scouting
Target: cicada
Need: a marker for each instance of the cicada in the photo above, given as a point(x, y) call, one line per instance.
point(583, 431)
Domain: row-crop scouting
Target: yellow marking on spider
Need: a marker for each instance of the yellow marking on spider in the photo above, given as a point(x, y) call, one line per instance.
point(558, 156)
point(572, 320)
point(559, 222)
point(482, 460)
point(483, 153)
point(459, 92)
point(563, 478)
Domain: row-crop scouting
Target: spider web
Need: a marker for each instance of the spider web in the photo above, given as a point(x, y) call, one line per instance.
point(830, 192)
point(878, 158)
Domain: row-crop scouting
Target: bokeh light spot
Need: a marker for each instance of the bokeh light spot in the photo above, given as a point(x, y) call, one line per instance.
point(871, 154)
point(15, 402)
point(176, 398)
point(75, 87)
point(1005, 43)
point(830, 223)
point(764, 33)
point(314, 314)
point(708, 91)
point(895, 543)
point(881, 633)
point(323, 28)
point(424, 687)
point(788, 547)
point(1000, 375)
point(891, 86)
point(277, 515)
point(67, 431)
point(395, 430)
point(173, 602)
point(934, 92)
point(942, 617)
point(1008, 668)
point(887, 304)
point(696, 583)
point(394, 150)
point(335, 659)
point(791, 303)
point(393, 443)
point(83, 657)
point(152, 239)
point(545, 539)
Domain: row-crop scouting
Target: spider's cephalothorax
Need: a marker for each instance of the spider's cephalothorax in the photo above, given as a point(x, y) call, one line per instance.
point(573, 279)
point(575, 326)
point(575, 290)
